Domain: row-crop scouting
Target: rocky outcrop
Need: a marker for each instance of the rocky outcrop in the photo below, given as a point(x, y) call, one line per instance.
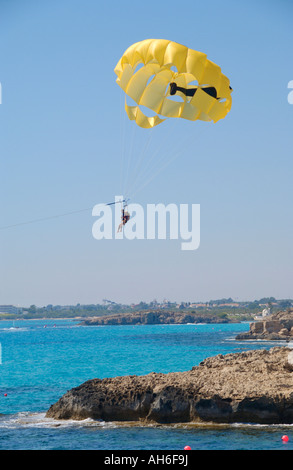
point(252, 386)
point(154, 318)
point(278, 326)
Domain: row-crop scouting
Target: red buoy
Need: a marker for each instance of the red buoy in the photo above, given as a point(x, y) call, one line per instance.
point(187, 448)
point(5, 394)
point(285, 438)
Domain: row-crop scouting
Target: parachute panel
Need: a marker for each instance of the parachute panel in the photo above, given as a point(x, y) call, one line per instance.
point(153, 95)
point(170, 62)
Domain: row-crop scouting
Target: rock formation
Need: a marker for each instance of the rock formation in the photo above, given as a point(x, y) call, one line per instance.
point(278, 326)
point(252, 386)
point(155, 318)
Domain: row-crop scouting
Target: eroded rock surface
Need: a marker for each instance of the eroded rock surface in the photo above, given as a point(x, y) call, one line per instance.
point(155, 318)
point(252, 386)
point(278, 326)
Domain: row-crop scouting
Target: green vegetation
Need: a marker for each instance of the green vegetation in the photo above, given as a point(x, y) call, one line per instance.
point(225, 309)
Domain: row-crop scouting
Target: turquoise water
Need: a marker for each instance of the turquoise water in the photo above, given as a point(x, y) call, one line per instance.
point(42, 359)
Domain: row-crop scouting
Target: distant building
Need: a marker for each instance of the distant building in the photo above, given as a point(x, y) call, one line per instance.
point(265, 313)
point(10, 309)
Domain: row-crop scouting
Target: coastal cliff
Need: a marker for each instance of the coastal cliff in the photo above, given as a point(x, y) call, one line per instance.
point(252, 386)
point(154, 318)
point(278, 326)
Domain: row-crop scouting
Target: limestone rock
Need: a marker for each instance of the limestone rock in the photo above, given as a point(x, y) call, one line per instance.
point(154, 318)
point(252, 386)
point(275, 327)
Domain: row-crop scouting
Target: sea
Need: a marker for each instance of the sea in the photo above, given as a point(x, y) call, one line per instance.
point(41, 359)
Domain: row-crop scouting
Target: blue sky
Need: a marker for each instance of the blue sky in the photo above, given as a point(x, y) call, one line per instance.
point(61, 131)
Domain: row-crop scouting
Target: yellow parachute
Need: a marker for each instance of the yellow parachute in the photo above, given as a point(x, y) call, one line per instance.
point(153, 70)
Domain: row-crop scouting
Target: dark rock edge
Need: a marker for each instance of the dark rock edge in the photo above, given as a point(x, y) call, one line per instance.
point(248, 387)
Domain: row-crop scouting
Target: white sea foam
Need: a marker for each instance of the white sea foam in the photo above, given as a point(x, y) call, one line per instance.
point(39, 420)
point(13, 329)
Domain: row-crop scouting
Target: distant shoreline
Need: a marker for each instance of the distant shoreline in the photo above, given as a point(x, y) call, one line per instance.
point(41, 318)
point(157, 318)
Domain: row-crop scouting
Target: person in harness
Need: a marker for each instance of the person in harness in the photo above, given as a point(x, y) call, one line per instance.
point(125, 216)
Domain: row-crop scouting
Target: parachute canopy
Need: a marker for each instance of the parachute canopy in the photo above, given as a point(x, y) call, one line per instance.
point(146, 70)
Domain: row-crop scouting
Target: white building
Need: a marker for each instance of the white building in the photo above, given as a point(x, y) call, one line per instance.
point(265, 313)
point(10, 309)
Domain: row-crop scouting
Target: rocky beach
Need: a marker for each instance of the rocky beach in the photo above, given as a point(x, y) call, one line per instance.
point(155, 318)
point(275, 327)
point(252, 386)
